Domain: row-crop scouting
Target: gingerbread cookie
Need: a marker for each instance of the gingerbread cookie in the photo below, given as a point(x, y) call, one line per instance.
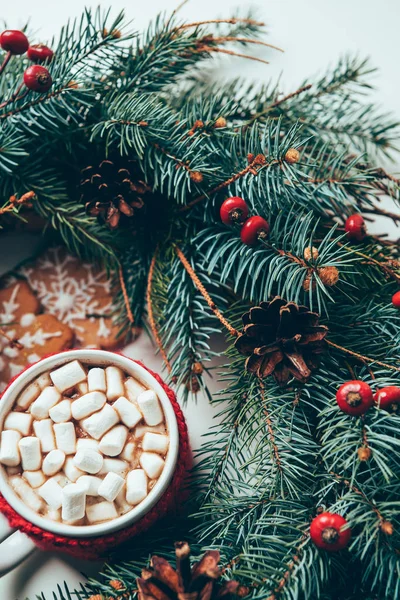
point(77, 293)
point(37, 334)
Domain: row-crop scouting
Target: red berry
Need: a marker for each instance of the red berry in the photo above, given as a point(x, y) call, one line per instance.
point(354, 397)
point(40, 53)
point(254, 229)
point(388, 398)
point(327, 532)
point(37, 78)
point(396, 299)
point(233, 210)
point(14, 41)
point(355, 228)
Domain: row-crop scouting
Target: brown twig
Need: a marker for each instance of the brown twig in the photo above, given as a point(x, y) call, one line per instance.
point(382, 212)
point(269, 425)
point(232, 21)
point(384, 267)
point(204, 292)
point(285, 578)
point(150, 314)
point(5, 62)
point(356, 490)
point(15, 96)
point(38, 100)
point(125, 295)
point(365, 359)
point(302, 89)
point(14, 342)
point(244, 40)
point(233, 53)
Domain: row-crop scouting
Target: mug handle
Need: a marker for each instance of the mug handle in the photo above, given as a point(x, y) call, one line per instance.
point(15, 547)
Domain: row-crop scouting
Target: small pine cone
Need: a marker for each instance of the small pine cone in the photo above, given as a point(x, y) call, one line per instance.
point(292, 156)
point(310, 253)
point(329, 275)
point(387, 527)
point(116, 584)
point(364, 454)
point(220, 122)
point(197, 368)
point(196, 176)
point(192, 384)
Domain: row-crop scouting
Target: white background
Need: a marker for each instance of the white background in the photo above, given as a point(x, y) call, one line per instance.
point(313, 33)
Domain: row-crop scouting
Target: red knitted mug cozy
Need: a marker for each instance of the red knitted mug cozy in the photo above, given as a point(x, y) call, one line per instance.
point(93, 548)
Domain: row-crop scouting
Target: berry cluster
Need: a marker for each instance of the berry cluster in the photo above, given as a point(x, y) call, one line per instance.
point(234, 211)
point(356, 397)
point(36, 77)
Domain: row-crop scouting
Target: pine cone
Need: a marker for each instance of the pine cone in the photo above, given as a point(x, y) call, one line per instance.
point(199, 582)
point(112, 189)
point(281, 339)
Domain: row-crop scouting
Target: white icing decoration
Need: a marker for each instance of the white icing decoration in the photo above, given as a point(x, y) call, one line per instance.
point(27, 319)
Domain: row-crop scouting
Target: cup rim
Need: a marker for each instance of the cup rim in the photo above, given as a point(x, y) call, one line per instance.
point(95, 357)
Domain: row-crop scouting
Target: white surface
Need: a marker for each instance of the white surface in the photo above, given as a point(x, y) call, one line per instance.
point(313, 34)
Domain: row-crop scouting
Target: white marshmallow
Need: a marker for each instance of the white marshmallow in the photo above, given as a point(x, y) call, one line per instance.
point(88, 460)
point(153, 464)
point(136, 486)
point(9, 449)
point(29, 394)
point(31, 455)
point(111, 485)
point(128, 413)
point(53, 462)
point(34, 478)
point(97, 424)
point(140, 430)
point(133, 389)
point(18, 421)
point(115, 383)
point(54, 515)
point(61, 412)
point(82, 388)
point(154, 442)
point(65, 437)
point(83, 443)
point(91, 484)
point(114, 465)
point(113, 442)
point(102, 511)
point(43, 380)
point(44, 431)
point(73, 502)
point(97, 380)
point(62, 479)
point(68, 375)
point(48, 397)
point(88, 404)
point(71, 471)
point(150, 407)
point(123, 506)
point(52, 493)
point(26, 493)
point(128, 453)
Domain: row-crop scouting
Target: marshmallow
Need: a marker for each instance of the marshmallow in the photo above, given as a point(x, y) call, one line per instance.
point(61, 412)
point(73, 502)
point(52, 493)
point(150, 407)
point(18, 421)
point(111, 485)
point(91, 484)
point(97, 380)
point(82, 388)
point(133, 388)
point(62, 479)
point(9, 450)
point(113, 442)
point(87, 405)
point(44, 431)
point(31, 455)
point(88, 460)
point(136, 486)
point(114, 465)
point(68, 376)
point(140, 430)
point(71, 471)
point(128, 413)
point(29, 394)
point(65, 437)
point(48, 397)
point(87, 443)
point(54, 515)
point(152, 464)
point(43, 380)
point(154, 442)
point(102, 511)
point(34, 478)
point(53, 462)
point(97, 424)
point(26, 493)
point(123, 506)
point(115, 383)
point(128, 453)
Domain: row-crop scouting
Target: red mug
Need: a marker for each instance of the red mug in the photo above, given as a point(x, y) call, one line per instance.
point(23, 529)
